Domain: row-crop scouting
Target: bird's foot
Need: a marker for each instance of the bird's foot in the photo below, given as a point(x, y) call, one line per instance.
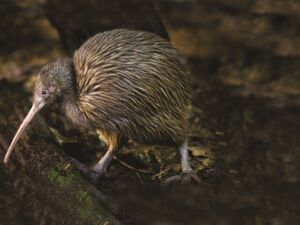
point(92, 175)
point(100, 168)
point(184, 178)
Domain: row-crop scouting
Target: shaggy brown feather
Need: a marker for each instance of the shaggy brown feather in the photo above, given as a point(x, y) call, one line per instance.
point(124, 84)
point(134, 84)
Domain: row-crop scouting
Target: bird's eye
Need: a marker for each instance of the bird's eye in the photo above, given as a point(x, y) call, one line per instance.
point(45, 93)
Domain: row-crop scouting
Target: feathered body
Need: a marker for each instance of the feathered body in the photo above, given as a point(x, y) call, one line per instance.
point(124, 84)
point(131, 85)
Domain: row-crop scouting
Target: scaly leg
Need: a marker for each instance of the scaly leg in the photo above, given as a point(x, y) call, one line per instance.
point(184, 157)
point(187, 171)
point(114, 143)
point(94, 174)
point(102, 165)
point(97, 171)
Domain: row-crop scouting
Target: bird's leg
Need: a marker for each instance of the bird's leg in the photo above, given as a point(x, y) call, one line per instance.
point(184, 157)
point(95, 173)
point(114, 143)
point(101, 166)
point(187, 171)
point(90, 174)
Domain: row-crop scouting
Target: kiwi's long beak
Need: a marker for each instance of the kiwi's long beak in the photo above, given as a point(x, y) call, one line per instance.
point(37, 105)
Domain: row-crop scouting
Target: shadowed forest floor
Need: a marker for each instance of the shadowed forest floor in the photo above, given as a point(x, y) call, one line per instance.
point(244, 124)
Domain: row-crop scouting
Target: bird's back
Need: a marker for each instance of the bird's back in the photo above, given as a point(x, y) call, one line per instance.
point(134, 83)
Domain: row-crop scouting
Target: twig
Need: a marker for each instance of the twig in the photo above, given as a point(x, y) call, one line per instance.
point(131, 167)
point(161, 173)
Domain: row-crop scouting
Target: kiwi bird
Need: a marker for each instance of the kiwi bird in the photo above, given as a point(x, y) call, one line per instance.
point(125, 84)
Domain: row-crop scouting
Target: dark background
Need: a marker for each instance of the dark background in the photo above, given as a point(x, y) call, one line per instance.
point(244, 124)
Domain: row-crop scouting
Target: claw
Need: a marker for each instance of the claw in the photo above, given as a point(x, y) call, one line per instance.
point(191, 176)
point(184, 178)
point(89, 173)
point(101, 169)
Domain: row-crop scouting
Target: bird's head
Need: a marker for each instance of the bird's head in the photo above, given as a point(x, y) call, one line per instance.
point(54, 80)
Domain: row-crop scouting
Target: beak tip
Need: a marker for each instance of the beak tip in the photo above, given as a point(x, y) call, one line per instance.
point(34, 109)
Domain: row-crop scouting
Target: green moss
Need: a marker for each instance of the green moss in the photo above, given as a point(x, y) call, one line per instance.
point(62, 180)
point(83, 196)
point(79, 200)
point(88, 206)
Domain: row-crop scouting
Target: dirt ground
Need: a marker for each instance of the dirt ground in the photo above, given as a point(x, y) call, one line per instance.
point(244, 124)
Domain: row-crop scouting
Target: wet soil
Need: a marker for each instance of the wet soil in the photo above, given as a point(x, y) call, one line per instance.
point(244, 123)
